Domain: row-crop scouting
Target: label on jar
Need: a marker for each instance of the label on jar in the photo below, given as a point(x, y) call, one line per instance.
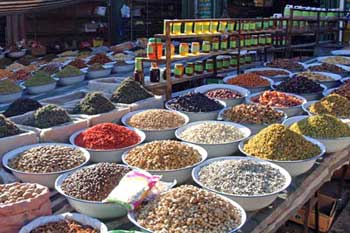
point(233, 61)
point(215, 45)
point(183, 49)
point(268, 40)
point(209, 66)
point(226, 63)
point(233, 44)
point(230, 27)
point(247, 42)
point(178, 71)
point(252, 26)
point(255, 41)
point(224, 45)
point(189, 70)
point(150, 49)
point(262, 40)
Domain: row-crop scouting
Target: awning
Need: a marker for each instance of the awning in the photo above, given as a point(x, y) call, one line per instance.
point(24, 6)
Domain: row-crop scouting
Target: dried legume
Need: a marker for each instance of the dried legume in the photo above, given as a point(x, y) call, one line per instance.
point(285, 63)
point(189, 209)
point(333, 104)
point(277, 99)
point(64, 226)
point(299, 85)
point(271, 73)
point(253, 114)
point(212, 133)
point(277, 142)
point(324, 67)
point(48, 159)
point(223, 93)
point(94, 183)
point(194, 102)
point(163, 155)
point(241, 177)
point(314, 76)
point(156, 119)
point(16, 192)
point(249, 80)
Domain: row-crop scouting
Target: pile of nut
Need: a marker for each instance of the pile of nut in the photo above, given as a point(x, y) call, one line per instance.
point(94, 183)
point(285, 63)
point(241, 177)
point(16, 192)
point(64, 226)
point(163, 155)
point(277, 99)
point(314, 76)
point(212, 133)
point(271, 73)
point(156, 119)
point(189, 209)
point(337, 60)
point(223, 93)
point(48, 159)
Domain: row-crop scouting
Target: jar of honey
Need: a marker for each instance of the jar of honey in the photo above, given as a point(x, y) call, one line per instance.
point(214, 26)
point(183, 49)
point(198, 67)
point(198, 27)
point(177, 28)
point(215, 44)
point(206, 27)
point(189, 70)
point(222, 26)
point(189, 28)
point(195, 48)
point(179, 70)
point(206, 46)
point(154, 48)
point(209, 65)
point(252, 26)
point(245, 26)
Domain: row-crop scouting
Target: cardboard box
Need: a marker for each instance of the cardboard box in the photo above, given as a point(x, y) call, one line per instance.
point(327, 210)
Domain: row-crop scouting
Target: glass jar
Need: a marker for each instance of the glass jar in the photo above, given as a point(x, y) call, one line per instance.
point(172, 50)
point(189, 28)
point(262, 40)
point(206, 27)
point(154, 48)
point(248, 58)
point(266, 24)
point(258, 25)
point(233, 42)
point(219, 63)
point(247, 41)
point(183, 49)
point(222, 26)
point(179, 70)
point(206, 46)
point(223, 43)
point(241, 40)
point(215, 44)
point(209, 65)
point(195, 48)
point(226, 62)
point(245, 26)
point(189, 70)
point(198, 67)
point(214, 26)
point(268, 39)
point(230, 26)
point(252, 26)
point(233, 61)
point(255, 40)
point(154, 73)
point(242, 59)
point(198, 27)
point(177, 28)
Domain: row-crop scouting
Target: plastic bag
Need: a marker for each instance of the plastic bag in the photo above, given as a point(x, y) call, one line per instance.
point(125, 11)
point(133, 188)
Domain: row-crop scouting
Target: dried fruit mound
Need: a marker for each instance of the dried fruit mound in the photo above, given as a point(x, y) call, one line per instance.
point(64, 226)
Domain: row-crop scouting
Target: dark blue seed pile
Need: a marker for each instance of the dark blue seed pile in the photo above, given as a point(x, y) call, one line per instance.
point(299, 85)
point(194, 102)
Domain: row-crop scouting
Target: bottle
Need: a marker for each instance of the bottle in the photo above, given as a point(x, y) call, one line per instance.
point(183, 49)
point(179, 70)
point(206, 46)
point(198, 67)
point(154, 73)
point(215, 44)
point(138, 73)
point(189, 69)
point(209, 65)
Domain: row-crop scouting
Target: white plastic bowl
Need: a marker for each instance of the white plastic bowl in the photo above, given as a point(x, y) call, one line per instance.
point(98, 73)
point(6, 98)
point(199, 116)
point(290, 111)
point(248, 202)
point(71, 80)
point(332, 144)
point(251, 89)
point(133, 219)
point(42, 88)
point(216, 150)
point(122, 68)
point(82, 219)
point(276, 78)
point(107, 155)
point(46, 179)
point(296, 167)
point(321, 59)
point(17, 54)
point(152, 135)
point(307, 96)
point(329, 84)
point(254, 128)
point(341, 66)
point(229, 102)
point(181, 175)
point(95, 209)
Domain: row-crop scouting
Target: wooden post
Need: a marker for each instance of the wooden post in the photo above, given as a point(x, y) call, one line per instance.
point(239, 45)
point(168, 60)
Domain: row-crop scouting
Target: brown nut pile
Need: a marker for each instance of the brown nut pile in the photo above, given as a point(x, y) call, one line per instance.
point(16, 192)
point(156, 119)
point(64, 226)
point(163, 155)
point(47, 159)
point(94, 183)
point(188, 209)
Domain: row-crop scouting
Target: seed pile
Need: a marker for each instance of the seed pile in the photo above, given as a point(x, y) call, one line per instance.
point(94, 103)
point(189, 209)
point(194, 102)
point(52, 68)
point(96, 67)
point(163, 155)
point(48, 159)
point(130, 91)
point(38, 79)
point(285, 63)
point(69, 71)
point(241, 177)
point(277, 142)
point(324, 67)
point(7, 127)
point(277, 99)
point(94, 183)
point(8, 87)
point(212, 133)
point(343, 90)
point(299, 85)
point(337, 60)
point(333, 104)
point(21, 106)
point(156, 119)
point(223, 93)
point(16, 192)
point(48, 116)
point(78, 63)
point(322, 126)
point(314, 76)
point(249, 80)
point(271, 73)
point(107, 136)
point(253, 114)
point(100, 59)
point(64, 226)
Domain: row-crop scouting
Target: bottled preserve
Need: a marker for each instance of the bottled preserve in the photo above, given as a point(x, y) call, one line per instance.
point(138, 73)
point(154, 73)
point(198, 67)
point(189, 70)
point(179, 70)
point(209, 65)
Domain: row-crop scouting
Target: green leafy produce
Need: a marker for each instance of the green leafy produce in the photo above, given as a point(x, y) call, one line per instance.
point(69, 71)
point(333, 104)
point(129, 92)
point(322, 126)
point(94, 103)
point(95, 67)
point(8, 87)
point(277, 142)
point(49, 116)
point(21, 106)
point(7, 127)
point(38, 79)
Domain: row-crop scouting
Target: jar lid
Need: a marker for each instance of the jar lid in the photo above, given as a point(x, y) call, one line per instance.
point(152, 40)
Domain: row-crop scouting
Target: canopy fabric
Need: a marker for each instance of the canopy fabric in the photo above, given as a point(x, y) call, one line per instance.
point(8, 7)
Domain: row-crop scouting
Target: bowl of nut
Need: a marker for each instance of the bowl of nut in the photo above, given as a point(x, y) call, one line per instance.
point(42, 163)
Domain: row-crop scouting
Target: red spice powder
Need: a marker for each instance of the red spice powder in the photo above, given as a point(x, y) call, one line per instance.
point(107, 136)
